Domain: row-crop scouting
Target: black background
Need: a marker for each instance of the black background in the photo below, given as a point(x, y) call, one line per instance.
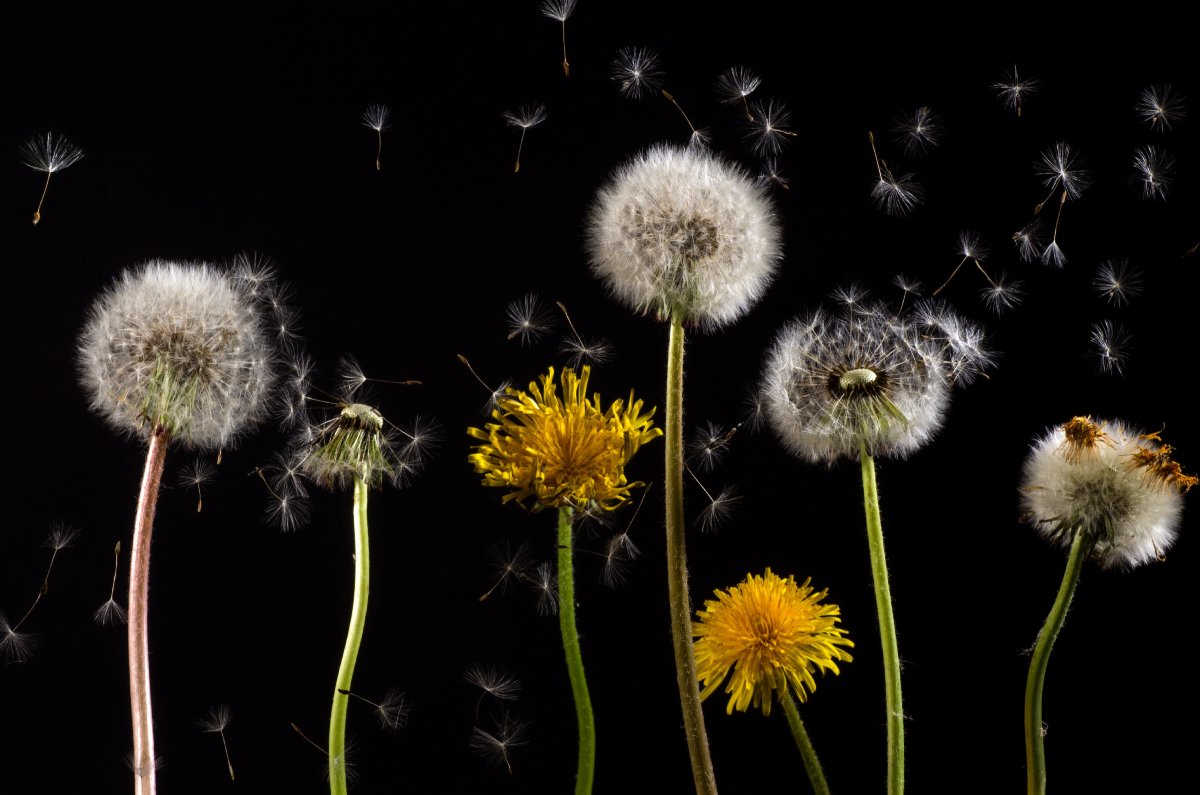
point(209, 135)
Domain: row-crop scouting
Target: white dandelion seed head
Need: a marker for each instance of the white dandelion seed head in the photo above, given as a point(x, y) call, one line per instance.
point(1130, 512)
point(1161, 106)
point(1153, 169)
point(376, 117)
point(636, 71)
point(834, 383)
point(179, 347)
point(736, 83)
point(49, 152)
point(681, 230)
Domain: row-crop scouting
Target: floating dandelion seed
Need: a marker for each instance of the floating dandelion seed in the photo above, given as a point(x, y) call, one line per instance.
point(719, 507)
point(735, 85)
point(895, 195)
point(528, 319)
point(709, 444)
point(971, 249)
point(1152, 168)
point(850, 295)
point(497, 745)
point(111, 612)
point(560, 10)
point(1059, 166)
point(1161, 107)
point(48, 153)
point(215, 723)
point(546, 586)
point(376, 118)
point(621, 550)
point(494, 395)
point(1002, 294)
point(391, 712)
point(769, 174)
point(1013, 90)
point(920, 130)
point(582, 352)
point(508, 566)
point(1117, 282)
point(195, 475)
point(636, 71)
point(1053, 256)
point(768, 130)
point(1028, 241)
point(492, 682)
point(1111, 343)
point(526, 117)
point(16, 645)
point(907, 287)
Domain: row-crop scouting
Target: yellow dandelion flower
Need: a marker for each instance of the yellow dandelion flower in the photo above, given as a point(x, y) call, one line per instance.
point(561, 451)
point(772, 633)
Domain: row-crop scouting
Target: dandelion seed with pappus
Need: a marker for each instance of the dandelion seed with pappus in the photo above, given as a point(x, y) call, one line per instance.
point(1161, 107)
point(1117, 282)
point(767, 636)
point(684, 236)
point(525, 118)
point(375, 117)
point(561, 11)
point(1110, 344)
point(1152, 169)
point(1105, 492)
point(920, 131)
point(569, 453)
point(735, 85)
point(1013, 90)
point(48, 153)
point(172, 353)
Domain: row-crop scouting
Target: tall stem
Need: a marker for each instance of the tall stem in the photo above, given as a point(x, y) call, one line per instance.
point(586, 769)
point(358, 620)
point(677, 576)
point(887, 626)
point(139, 605)
point(1035, 752)
point(816, 776)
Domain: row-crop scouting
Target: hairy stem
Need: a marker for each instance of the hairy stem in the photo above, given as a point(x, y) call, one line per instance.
point(677, 575)
point(139, 605)
point(887, 626)
point(586, 769)
point(1035, 752)
point(358, 620)
point(816, 776)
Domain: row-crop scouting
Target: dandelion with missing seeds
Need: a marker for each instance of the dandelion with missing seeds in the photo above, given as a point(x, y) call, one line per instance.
point(863, 384)
point(1105, 492)
point(684, 236)
point(569, 453)
point(767, 635)
point(172, 353)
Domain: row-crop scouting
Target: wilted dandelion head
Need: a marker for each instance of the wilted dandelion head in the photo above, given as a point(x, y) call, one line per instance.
point(772, 634)
point(358, 444)
point(1118, 486)
point(561, 451)
point(1161, 106)
point(682, 231)
point(180, 349)
point(833, 383)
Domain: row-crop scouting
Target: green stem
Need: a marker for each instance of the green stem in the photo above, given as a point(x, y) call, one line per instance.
point(677, 578)
point(1035, 752)
point(887, 625)
point(566, 622)
point(812, 764)
point(139, 613)
point(358, 620)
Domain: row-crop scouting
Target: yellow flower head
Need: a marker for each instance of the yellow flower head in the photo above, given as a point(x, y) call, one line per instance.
point(561, 451)
point(773, 633)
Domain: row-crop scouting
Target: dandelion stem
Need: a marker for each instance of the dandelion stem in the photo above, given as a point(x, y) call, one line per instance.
point(677, 582)
point(358, 620)
point(816, 776)
point(139, 587)
point(586, 769)
point(887, 625)
point(37, 214)
point(566, 64)
point(1035, 752)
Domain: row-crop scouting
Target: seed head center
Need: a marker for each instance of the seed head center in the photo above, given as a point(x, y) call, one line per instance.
point(857, 378)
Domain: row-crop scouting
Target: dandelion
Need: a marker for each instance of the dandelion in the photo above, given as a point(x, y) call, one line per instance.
point(375, 117)
point(111, 612)
point(920, 130)
point(582, 351)
point(561, 11)
point(1117, 282)
point(861, 385)
point(1161, 107)
point(767, 636)
point(1060, 167)
point(564, 452)
point(894, 194)
point(1152, 168)
point(770, 174)
point(1103, 491)
point(391, 712)
point(172, 353)
point(195, 475)
point(16, 646)
point(1110, 344)
point(526, 118)
point(1028, 241)
point(48, 153)
point(1013, 90)
point(769, 127)
point(735, 85)
point(636, 70)
point(497, 745)
point(527, 319)
point(908, 287)
point(491, 682)
point(215, 723)
point(1002, 294)
point(691, 239)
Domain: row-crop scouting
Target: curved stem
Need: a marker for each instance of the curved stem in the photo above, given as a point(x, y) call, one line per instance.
point(812, 764)
point(1035, 752)
point(677, 583)
point(138, 629)
point(358, 620)
point(566, 622)
point(37, 214)
point(887, 625)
